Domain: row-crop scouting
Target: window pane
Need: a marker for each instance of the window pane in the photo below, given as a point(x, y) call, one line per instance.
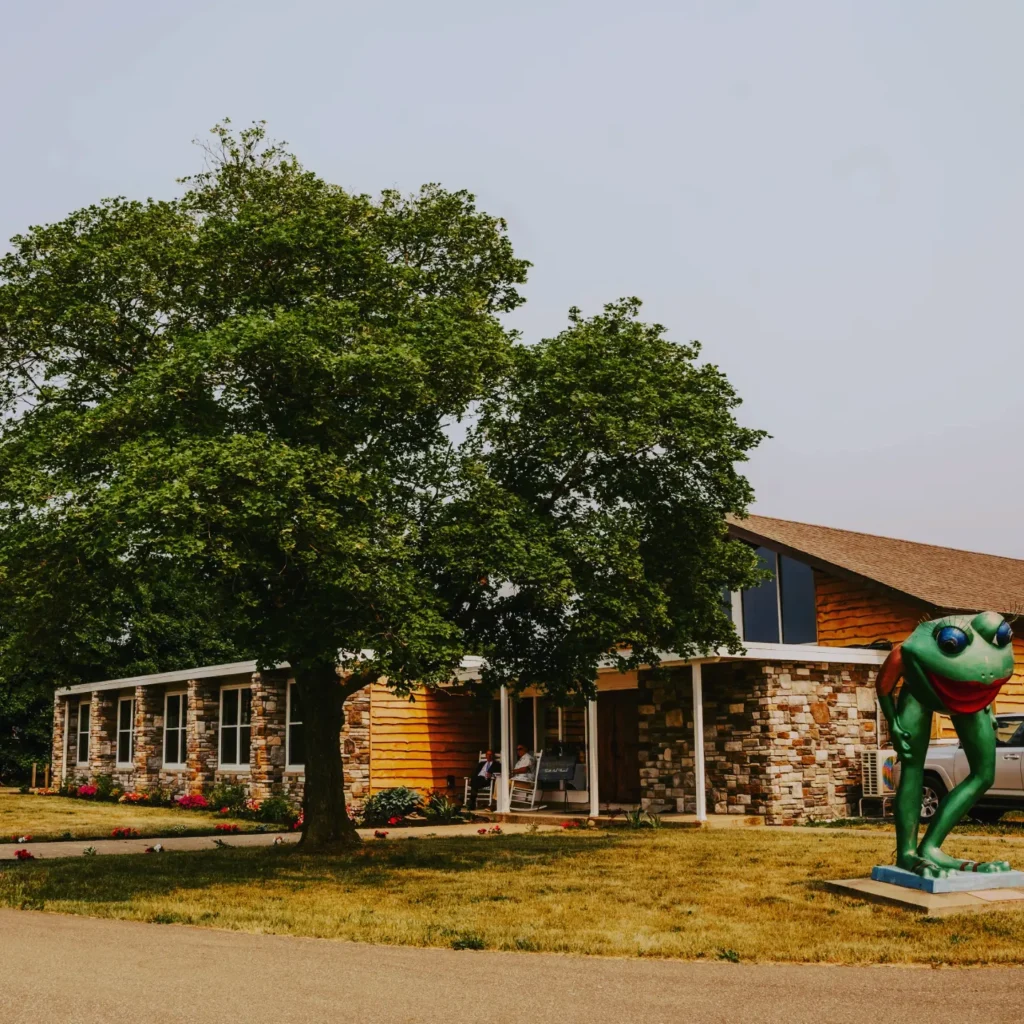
point(124, 747)
point(170, 746)
point(230, 707)
point(296, 749)
point(182, 747)
point(229, 745)
point(799, 620)
point(244, 744)
point(125, 710)
point(246, 706)
point(173, 712)
point(761, 604)
point(83, 747)
point(295, 709)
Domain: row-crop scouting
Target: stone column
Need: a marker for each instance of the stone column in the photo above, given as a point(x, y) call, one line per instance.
point(201, 737)
point(102, 733)
point(355, 746)
point(60, 739)
point(149, 721)
point(269, 711)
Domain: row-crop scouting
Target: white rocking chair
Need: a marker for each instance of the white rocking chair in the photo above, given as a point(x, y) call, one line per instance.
point(486, 793)
point(522, 793)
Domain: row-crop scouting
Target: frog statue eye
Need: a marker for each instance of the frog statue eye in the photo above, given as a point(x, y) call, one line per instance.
point(951, 639)
point(1004, 634)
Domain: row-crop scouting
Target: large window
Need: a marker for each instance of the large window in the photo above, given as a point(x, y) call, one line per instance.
point(235, 726)
point(296, 755)
point(781, 608)
point(175, 748)
point(82, 731)
point(126, 731)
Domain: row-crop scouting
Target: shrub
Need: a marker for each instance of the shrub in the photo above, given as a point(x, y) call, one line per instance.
point(104, 787)
point(225, 795)
point(276, 809)
point(390, 803)
point(440, 810)
point(86, 792)
point(193, 802)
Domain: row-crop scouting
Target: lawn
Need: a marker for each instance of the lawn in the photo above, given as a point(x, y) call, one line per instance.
point(735, 894)
point(54, 817)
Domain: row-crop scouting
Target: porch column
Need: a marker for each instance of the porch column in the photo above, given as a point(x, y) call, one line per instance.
point(505, 779)
point(59, 755)
point(595, 797)
point(698, 742)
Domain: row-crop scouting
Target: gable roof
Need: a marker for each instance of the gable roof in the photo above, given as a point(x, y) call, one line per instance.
point(947, 578)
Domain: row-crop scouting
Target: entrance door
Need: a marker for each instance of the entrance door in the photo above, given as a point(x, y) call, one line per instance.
point(618, 746)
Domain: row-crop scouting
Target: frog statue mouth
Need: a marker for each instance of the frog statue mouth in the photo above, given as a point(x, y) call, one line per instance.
point(964, 698)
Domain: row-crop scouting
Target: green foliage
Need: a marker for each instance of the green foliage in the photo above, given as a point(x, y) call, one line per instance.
point(104, 787)
point(226, 795)
point(637, 817)
point(390, 803)
point(25, 718)
point(277, 810)
point(441, 810)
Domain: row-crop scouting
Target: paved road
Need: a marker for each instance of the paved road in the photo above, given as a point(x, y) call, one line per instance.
point(83, 971)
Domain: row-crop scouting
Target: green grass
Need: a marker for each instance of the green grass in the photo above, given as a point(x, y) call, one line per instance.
point(1011, 824)
point(53, 817)
point(735, 894)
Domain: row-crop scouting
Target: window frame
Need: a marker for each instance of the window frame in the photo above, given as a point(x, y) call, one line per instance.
point(130, 762)
point(87, 704)
point(181, 729)
point(237, 766)
point(738, 608)
point(288, 723)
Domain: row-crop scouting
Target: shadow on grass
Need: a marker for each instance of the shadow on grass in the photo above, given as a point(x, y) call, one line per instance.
point(121, 878)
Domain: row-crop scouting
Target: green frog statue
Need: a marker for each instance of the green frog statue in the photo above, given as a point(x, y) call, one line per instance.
point(956, 666)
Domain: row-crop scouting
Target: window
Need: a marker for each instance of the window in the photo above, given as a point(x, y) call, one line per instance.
point(82, 729)
point(235, 726)
point(175, 748)
point(296, 755)
point(126, 730)
point(782, 607)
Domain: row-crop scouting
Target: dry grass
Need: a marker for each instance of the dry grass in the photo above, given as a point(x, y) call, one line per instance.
point(731, 894)
point(52, 817)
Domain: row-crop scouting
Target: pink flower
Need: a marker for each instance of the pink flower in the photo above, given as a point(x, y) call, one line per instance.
point(86, 791)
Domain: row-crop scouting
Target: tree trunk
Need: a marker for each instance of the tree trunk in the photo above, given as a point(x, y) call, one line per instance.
point(326, 821)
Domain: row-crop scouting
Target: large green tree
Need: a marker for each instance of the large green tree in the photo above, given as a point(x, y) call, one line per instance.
point(247, 396)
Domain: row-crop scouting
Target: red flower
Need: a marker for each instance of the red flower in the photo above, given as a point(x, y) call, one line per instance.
point(192, 802)
point(225, 810)
point(24, 855)
point(86, 791)
point(496, 831)
point(380, 835)
point(481, 831)
point(226, 828)
point(125, 833)
point(394, 821)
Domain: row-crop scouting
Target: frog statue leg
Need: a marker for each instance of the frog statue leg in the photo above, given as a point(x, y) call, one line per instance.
point(978, 740)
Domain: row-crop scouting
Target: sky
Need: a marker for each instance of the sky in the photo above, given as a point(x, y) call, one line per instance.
point(826, 195)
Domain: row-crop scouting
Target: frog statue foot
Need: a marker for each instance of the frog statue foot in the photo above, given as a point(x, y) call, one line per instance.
point(954, 666)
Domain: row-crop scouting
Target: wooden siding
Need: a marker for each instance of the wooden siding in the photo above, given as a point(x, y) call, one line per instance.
point(420, 743)
point(856, 613)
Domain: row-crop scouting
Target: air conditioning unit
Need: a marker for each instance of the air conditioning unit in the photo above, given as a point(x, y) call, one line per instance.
point(878, 772)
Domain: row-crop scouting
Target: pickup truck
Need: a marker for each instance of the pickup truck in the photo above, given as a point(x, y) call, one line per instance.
point(946, 765)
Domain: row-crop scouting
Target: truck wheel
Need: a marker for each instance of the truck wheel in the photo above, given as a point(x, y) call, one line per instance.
point(931, 797)
point(986, 815)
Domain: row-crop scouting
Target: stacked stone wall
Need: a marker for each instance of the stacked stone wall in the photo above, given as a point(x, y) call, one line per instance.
point(269, 715)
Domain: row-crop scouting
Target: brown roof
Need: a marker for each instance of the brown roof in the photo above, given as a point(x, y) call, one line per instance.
point(949, 579)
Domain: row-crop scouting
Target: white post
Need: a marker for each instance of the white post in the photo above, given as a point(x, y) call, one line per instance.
point(698, 741)
point(505, 779)
point(595, 800)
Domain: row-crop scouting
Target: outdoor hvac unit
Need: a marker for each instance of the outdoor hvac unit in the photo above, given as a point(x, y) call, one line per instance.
point(878, 772)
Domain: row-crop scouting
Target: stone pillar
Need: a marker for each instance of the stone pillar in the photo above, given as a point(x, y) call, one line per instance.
point(149, 721)
point(355, 746)
point(201, 738)
point(269, 711)
point(60, 739)
point(667, 777)
point(102, 733)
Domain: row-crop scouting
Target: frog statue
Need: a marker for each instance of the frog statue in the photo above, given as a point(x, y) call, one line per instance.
point(953, 665)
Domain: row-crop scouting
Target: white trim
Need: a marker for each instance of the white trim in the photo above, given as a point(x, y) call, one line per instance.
point(784, 652)
point(234, 766)
point(182, 730)
point(288, 766)
point(700, 782)
point(505, 779)
point(118, 731)
point(79, 763)
point(592, 779)
point(235, 668)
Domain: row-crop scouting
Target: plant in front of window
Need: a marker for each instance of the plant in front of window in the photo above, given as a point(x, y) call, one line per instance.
point(264, 417)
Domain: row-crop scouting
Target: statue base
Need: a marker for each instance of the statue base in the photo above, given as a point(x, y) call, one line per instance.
point(956, 881)
point(935, 904)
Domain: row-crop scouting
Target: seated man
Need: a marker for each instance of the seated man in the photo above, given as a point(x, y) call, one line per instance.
point(487, 769)
point(523, 770)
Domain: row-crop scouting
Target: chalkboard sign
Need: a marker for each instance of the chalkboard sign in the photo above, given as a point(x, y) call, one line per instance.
point(558, 769)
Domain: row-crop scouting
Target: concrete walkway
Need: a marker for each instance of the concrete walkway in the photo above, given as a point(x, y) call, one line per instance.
point(90, 971)
point(76, 847)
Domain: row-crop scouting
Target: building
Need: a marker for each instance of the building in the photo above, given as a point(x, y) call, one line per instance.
point(775, 731)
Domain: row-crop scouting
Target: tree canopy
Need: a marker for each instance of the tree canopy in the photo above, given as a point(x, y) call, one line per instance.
point(233, 419)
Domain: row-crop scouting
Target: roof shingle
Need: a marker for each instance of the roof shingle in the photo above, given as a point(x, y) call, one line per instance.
point(951, 580)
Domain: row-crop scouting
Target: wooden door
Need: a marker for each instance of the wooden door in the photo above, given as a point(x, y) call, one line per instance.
point(618, 745)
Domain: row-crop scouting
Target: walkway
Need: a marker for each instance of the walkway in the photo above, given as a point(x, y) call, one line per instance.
point(92, 971)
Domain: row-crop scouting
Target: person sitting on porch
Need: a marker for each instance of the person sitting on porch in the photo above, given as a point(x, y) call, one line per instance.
point(486, 770)
point(524, 766)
